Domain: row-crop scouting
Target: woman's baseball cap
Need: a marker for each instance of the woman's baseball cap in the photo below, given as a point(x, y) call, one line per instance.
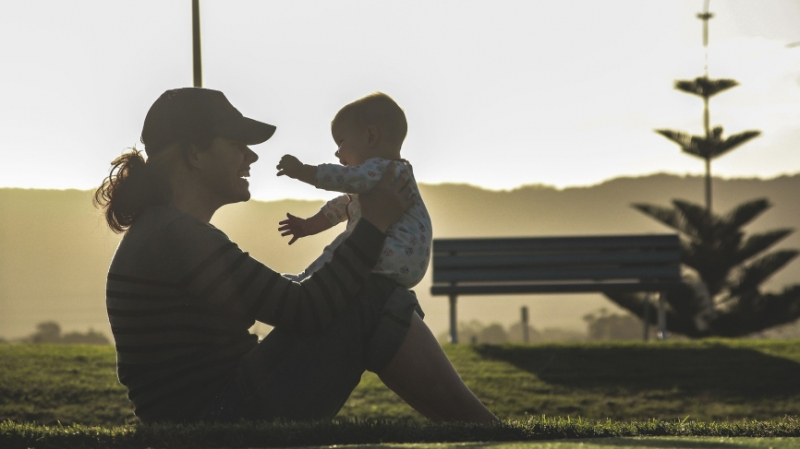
point(193, 115)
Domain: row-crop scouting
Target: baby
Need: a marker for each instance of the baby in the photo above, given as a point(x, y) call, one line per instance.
point(369, 133)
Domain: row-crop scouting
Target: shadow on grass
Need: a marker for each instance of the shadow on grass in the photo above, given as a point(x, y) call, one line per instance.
point(714, 370)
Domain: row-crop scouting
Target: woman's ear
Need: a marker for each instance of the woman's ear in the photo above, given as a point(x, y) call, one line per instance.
point(373, 135)
point(192, 156)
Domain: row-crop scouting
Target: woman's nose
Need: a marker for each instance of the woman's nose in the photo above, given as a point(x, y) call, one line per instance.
point(251, 155)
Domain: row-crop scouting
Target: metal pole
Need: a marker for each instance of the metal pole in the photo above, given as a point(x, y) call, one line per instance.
point(525, 336)
point(197, 64)
point(646, 319)
point(453, 322)
point(662, 318)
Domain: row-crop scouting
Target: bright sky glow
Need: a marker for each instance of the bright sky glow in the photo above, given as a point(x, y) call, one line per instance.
point(498, 93)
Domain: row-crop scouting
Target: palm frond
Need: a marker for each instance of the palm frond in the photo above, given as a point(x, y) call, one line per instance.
point(757, 243)
point(697, 217)
point(681, 138)
point(669, 217)
point(755, 312)
point(717, 149)
point(705, 87)
point(753, 275)
point(743, 214)
point(697, 146)
point(684, 140)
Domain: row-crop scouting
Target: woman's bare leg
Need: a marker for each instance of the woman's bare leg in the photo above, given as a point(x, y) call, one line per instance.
point(421, 375)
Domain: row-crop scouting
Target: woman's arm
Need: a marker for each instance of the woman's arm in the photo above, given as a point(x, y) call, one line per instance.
point(219, 274)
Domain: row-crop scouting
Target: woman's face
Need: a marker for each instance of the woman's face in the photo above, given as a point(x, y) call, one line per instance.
point(223, 168)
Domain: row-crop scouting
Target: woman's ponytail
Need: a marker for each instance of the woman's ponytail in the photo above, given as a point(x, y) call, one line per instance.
point(131, 186)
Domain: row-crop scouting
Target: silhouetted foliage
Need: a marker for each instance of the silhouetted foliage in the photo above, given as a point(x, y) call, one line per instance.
point(722, 295)
point(604, 326)
point(50, 332)
point(708, 147)
point(494, 333)
point(726, 269)
point(712, 144)
point(705, 87)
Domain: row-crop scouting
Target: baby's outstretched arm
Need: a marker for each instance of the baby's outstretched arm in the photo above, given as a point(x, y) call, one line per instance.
point(301, 227)
point(292, 167)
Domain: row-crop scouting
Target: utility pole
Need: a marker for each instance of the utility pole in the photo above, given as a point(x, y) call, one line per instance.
point(524, 321)
point(197, 64)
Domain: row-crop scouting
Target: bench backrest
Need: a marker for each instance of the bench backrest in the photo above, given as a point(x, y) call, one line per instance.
point(556, 264)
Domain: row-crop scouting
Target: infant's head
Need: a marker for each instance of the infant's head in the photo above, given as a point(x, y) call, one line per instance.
point(373, 126)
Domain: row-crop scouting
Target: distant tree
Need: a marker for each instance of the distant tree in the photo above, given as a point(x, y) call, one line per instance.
point(467, 332)
point(712, 144)
point(559, 334)
point(604, 326)
point(91, 337)
point(475, 331)
point(493, 334)
point(515, 333)
point(708, 147)
point(50, 332)
point(722, 296)
point(46, 332)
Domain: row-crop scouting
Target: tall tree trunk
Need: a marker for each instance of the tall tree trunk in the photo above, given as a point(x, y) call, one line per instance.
point(708, 185)
point(707, 127)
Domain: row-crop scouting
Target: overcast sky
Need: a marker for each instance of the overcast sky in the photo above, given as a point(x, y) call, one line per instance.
point(497, 93)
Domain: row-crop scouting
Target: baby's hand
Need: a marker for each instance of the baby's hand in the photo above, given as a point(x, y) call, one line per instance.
point(294, 226)
point(290, 166)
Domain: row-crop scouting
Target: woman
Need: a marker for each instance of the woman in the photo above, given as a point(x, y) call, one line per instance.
point(181, 296)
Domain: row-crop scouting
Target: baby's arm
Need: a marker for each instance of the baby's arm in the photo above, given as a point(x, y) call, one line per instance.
point(331, 214)
point(293, 168)
point(301, 227)
point(358, 179)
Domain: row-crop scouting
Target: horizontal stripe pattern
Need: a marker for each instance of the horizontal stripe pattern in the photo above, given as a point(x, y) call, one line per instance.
point(181, 297)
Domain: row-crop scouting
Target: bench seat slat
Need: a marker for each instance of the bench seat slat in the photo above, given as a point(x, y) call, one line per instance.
point(575, 258)
point(488, 274)
point(488, 289)
point(545, 243)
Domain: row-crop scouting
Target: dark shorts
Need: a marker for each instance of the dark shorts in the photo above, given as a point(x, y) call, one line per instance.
point(309, 377)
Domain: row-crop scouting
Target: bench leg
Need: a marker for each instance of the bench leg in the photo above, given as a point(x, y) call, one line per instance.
point(453, 321)
point(662, 318)
point(646, 319)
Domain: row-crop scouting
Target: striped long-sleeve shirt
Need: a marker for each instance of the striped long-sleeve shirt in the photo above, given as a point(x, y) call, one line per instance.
point(181, 297)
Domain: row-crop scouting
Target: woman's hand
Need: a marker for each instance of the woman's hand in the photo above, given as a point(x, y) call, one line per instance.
point(386, 203)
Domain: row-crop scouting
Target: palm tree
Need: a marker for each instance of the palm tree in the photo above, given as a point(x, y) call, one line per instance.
point(713, 144)
point(726, 299)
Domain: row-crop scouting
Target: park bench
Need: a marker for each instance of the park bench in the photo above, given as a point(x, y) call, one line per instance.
point(584, 264)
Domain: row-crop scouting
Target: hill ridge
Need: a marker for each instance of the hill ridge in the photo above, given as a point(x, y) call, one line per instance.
point(56, 248)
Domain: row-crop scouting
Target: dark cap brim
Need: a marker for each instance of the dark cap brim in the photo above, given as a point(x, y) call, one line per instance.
point(245, 130)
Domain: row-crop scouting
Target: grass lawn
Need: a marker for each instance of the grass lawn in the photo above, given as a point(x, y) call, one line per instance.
point(607, 443)
point(707, 380)
point(706, 394)
point(627, 443)
point(546, 433)
point(715, 380)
